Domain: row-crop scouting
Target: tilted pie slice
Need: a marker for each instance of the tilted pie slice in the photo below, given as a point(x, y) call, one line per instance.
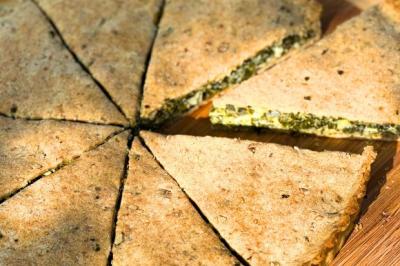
point(112, 39)
point(347, 85)
point(39, 77)
point(66, 218)
point(157, 225)
point(203, 47)
point(29, 149)
point(273, 204)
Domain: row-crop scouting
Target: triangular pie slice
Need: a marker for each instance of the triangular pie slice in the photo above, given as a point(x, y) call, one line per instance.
point(112, 39)
point(203, 47)
point(273, 204)
point(347, 85)
point(157, 225)
point(66, 218)
point(39, 77)
point(29, 149)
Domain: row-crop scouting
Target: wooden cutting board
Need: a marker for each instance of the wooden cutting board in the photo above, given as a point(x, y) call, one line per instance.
point(376, 239)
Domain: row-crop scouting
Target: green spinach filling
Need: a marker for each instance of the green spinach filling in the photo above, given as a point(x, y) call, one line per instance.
point(230, 115)
point(248, 68)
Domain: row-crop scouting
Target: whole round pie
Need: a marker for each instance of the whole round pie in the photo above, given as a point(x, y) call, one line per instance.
point(84, 180)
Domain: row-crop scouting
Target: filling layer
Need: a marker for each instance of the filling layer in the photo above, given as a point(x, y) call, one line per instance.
point(174, 107)
point(230, 115)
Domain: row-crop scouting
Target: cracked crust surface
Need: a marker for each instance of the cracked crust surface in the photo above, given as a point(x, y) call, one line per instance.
point(157, 225)
point(65, 218)
point(112, 38)
point(39, 77)
point(353, 73)
point(271, 203)
point(200, 41)
point(30, 148)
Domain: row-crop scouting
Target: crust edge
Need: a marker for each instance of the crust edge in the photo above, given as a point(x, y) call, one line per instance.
point(337, 239)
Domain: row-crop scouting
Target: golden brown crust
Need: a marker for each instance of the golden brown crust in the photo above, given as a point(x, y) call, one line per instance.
point(327, 79)
point(66, 218)
point(393, 4)
point(157, 225)
point(392, 9)
point(338, 238)
point(112, 38)
point(30, 148)
point(253, 192)
point(39, 77)
point(200, 41)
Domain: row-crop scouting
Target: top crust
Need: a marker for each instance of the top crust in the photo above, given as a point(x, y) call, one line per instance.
point(199, 41)
point(112, 38)
point(271, 203)
point(30, 148)
point(157, 225)
point(66, 218)
point(353, 73)
point(39, 78)
point(392, 9)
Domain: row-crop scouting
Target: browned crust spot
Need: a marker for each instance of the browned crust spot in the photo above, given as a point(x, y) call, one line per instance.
point(337, 239)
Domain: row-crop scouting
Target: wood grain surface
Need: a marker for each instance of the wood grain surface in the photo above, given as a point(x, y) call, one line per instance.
point(376, 238)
